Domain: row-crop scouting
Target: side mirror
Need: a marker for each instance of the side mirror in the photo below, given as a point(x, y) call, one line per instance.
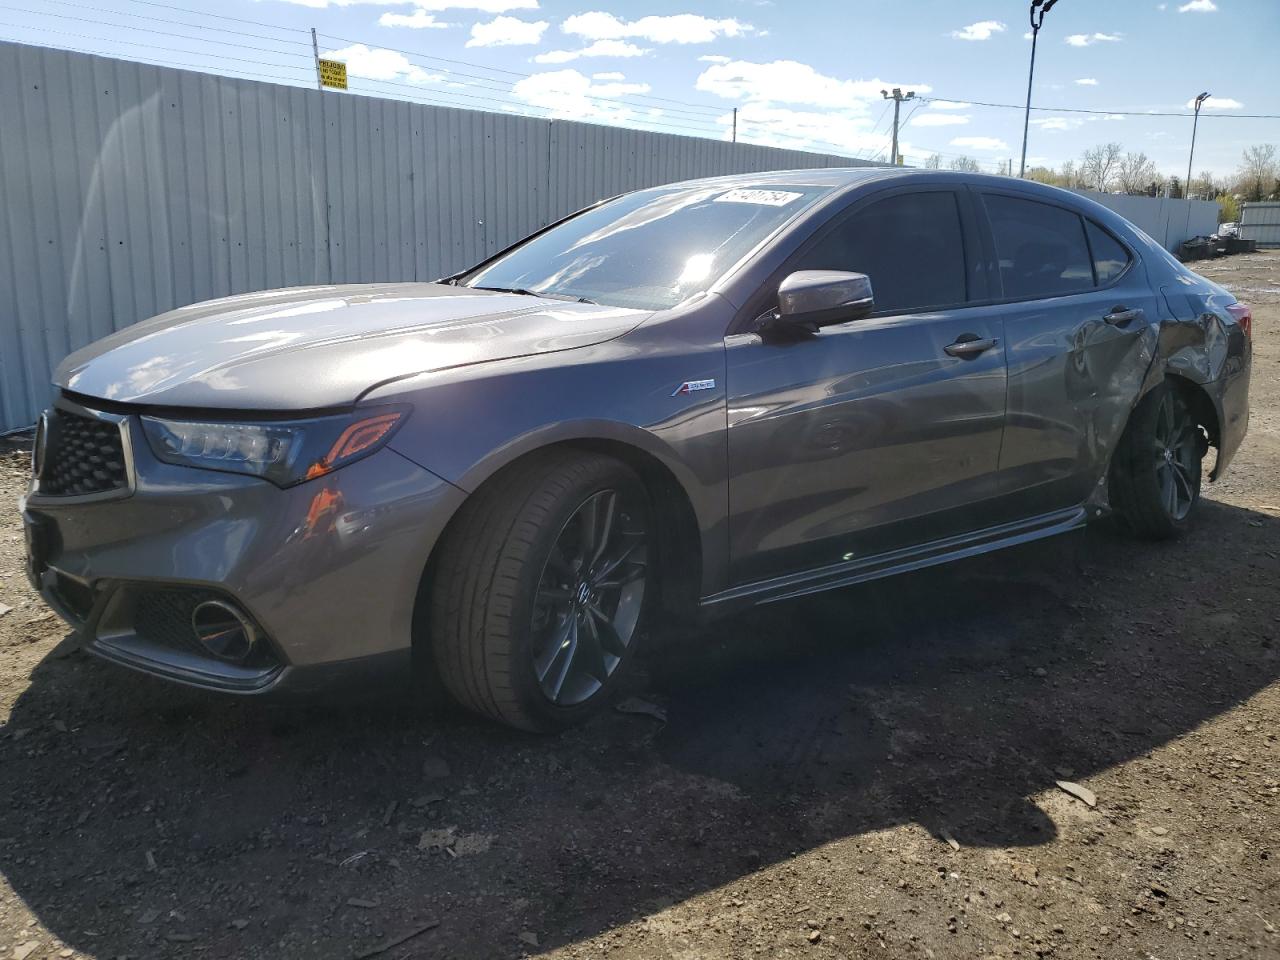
point(818, 298)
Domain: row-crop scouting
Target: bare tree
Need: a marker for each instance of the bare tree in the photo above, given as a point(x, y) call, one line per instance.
point(1206, 186)
point(1256, 178)
point(934, 162)
point(965, 164)
point(1070, 176)
point(1135, 173)
point(1098, 165)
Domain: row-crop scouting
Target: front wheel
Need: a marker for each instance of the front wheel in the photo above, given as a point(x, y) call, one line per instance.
point(1156, 472)
point(541, 588)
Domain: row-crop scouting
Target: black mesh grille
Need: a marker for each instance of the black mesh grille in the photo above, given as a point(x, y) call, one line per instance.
point(164, 617)
point(82, 455)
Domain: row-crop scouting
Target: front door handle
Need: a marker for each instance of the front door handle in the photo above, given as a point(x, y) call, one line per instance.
point(969, 345)
point(1123, 316)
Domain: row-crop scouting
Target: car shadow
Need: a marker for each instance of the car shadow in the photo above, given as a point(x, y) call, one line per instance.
point(146, 819)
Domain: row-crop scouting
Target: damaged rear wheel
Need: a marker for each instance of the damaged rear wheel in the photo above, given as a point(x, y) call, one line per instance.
point(1156, 472)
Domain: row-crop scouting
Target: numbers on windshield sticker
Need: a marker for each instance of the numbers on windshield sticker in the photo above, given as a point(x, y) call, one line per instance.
point(768, 198)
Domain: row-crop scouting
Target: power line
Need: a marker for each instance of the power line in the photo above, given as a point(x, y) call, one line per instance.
point(156, 62)
point(163, 33)
point(139, 43)
point(194, 13)
point(1109, 113)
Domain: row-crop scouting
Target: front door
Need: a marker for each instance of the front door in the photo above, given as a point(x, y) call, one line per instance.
point(881, 432)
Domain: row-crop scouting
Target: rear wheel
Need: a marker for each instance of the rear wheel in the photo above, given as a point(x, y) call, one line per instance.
point(1156, 472)
point(541, 590)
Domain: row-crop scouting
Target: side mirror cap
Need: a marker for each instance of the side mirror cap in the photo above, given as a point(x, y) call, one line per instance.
point(818, 298)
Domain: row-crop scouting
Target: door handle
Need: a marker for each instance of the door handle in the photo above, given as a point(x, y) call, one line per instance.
point(969, 345)
point(1123, 316)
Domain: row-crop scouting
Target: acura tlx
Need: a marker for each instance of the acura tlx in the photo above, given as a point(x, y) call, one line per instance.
point(677, 402)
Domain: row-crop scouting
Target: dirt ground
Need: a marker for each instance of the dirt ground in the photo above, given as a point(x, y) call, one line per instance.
point(866, 774)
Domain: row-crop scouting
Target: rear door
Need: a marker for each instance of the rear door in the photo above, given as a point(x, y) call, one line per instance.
point(877, 433)
point(1078, 315)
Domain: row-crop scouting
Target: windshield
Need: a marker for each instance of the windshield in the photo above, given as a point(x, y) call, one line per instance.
point(651, 249)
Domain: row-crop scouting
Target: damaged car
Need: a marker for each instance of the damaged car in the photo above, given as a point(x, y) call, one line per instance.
point(676, 403)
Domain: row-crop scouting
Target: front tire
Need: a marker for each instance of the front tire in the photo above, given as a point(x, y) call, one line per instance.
point(540, 590)
point(1156, 471)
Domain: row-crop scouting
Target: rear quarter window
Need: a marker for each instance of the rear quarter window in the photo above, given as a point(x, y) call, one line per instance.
point(1110, 258)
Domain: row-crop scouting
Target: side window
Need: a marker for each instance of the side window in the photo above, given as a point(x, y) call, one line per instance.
point(1041, 248)
point(1110, 259)
point(910, 246)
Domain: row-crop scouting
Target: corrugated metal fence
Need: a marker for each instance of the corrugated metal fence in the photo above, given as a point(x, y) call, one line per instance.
point(1261, 222)
point(128, 189)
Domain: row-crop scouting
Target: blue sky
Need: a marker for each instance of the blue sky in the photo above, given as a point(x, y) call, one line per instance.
point(804, 74)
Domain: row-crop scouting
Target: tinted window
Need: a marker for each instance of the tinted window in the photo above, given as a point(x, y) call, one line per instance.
point(650, 249)
point(1041, 248)
point(1109, 258)
point(909, 245)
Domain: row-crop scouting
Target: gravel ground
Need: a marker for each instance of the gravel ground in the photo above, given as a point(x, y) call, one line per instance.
point(870, 773)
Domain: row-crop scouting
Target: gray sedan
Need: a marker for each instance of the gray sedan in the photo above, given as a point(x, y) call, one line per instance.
point(680, 401)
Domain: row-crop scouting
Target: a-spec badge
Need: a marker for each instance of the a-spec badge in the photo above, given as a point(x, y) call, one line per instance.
point(691, 386)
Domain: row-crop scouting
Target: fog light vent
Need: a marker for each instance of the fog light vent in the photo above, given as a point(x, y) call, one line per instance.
point(223, 630)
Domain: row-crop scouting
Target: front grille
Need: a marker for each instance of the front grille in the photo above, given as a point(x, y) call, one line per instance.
point(81, 455)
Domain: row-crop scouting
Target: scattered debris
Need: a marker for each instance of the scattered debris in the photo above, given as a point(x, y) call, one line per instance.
point(1160, 831)
point(529, 937)
point(815, 936)
point(1083, 794)
point(354, 857)
point(640, 707)
point(362, 904)
point(951, 841)
point(5, 608)
point(24, 950)
point(391, 944)
point(180, 937)
point(148, 916)
point(390, 812)
point(151, 861)
point(239, 923)
point(435, 768)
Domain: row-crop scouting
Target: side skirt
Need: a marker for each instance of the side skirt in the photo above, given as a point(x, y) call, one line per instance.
point(904, 560)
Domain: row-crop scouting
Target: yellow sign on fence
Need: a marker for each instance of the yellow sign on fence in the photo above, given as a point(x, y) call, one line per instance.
point(333, 73)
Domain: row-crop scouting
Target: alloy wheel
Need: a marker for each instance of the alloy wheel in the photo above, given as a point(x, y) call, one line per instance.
point(589, 598)
point(1178, 448)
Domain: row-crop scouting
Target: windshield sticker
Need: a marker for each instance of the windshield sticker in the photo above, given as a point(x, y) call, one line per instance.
point(767, 198)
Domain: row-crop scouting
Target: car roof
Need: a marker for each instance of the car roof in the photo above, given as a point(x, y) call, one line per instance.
point(841, 177)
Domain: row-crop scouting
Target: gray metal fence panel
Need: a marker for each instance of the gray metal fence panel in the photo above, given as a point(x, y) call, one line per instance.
point(1168, 222)
point(1261, 222)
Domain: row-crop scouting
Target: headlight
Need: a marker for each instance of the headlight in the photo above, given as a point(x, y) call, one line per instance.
point(282, 451)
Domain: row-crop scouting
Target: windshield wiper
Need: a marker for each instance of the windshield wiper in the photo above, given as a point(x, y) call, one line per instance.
point(521, 291)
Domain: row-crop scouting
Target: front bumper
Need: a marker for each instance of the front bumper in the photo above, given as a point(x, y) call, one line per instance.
point(328, 570)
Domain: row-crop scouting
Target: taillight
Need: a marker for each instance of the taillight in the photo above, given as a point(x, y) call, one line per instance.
point(1243, 316)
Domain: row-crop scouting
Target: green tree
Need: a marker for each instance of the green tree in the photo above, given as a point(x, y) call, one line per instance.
point(1228, 208)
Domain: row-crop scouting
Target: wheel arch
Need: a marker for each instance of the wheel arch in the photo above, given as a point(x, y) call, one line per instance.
point(1202, 406)
point(679, 540)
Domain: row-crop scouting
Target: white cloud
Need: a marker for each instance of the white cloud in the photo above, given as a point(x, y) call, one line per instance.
point(714, 58)
point(939, 120)
point(980, 143)
point(1114, 116)
point(378, 64)
point(948, 105)
point(819, 130)
point(601, 48)
point(1086, 82)
point(982, 30)
point(1198, 6)
point(1088, 39)
point(679, 28)
point(570, 95)
point(1217, 103)
point(608, 76)
point(786, 81)
point(418, 20)
point(1057, 123)
point(506, 32)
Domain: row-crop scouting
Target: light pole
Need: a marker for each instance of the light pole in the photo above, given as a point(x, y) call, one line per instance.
point(1186, 190)
point(1042, 7)
point(897, 97)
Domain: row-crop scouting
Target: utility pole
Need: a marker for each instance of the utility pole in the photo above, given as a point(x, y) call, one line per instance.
point(1043, 7)
point(735, 124)
point(315, 53)
point(897, 97)
point(1186, 192)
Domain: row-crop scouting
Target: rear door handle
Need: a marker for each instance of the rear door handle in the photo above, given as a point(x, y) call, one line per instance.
point(969, 345)
point(1123, 316)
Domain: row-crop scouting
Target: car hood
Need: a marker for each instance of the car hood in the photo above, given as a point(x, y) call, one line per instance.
point(309, 347)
